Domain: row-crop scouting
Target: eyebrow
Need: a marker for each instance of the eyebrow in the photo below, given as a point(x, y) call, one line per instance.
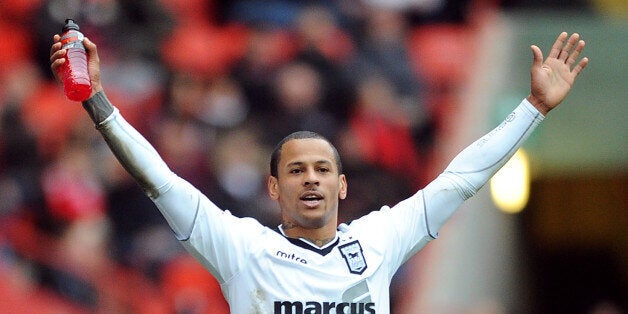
point(300, 163)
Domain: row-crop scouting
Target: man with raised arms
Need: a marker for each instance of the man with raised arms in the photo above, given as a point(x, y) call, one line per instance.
point(312, 263)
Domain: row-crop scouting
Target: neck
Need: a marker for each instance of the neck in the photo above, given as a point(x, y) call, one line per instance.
point(319, 242)
point(319, 236)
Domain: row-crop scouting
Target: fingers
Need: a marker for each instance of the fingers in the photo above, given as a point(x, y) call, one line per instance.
point(91, 49)
point(56, 44)
point(575, 53)
point(558, 45)
point(577, 45)
point(54, 49)
point(568, 51)
point(56, 54)
point(89, 45)
point(538, 56)
point(564, 52)
point(580, 66)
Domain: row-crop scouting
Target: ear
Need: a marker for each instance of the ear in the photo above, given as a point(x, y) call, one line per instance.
point(273, 188)
point(342, 192)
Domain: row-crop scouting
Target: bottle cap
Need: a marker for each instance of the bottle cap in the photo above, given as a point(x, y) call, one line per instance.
point(69, 24)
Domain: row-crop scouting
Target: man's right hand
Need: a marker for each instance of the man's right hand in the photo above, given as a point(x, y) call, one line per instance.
point(57, 58)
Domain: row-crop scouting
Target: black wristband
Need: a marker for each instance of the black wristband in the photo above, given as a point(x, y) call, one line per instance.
point(98, 107)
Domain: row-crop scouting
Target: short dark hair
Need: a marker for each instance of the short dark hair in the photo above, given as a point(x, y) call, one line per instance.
point(299, 135)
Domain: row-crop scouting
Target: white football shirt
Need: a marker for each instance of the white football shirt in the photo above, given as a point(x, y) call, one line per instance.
point(262, 271)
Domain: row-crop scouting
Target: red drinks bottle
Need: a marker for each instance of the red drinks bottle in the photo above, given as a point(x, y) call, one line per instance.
point(74, 72)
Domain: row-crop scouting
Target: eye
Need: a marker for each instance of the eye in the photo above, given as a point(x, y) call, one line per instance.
point(323, 169)
point(296, 171)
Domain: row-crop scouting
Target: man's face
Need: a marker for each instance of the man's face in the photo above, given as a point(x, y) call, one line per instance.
point(308, 185)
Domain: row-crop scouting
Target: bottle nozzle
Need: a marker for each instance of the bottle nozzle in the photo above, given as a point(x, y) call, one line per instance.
point(69, 24)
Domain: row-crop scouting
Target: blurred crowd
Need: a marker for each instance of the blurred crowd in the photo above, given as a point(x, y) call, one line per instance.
point(213, 85)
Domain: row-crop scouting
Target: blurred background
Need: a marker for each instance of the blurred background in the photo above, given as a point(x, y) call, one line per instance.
point(399, 85)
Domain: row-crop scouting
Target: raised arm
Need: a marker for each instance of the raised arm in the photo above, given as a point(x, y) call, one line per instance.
point(105, 116)
point(551, 81)
point(133, 151)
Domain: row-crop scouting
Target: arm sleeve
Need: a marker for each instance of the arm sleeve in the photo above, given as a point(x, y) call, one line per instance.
point(476, 164)
point(143, 162)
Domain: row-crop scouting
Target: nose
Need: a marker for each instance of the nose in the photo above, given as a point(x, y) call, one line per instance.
point(311, 178)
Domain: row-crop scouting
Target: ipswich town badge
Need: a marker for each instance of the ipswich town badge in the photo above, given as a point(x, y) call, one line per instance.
point(352, 253)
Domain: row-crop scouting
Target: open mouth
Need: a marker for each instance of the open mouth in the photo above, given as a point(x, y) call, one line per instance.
point(311, 199)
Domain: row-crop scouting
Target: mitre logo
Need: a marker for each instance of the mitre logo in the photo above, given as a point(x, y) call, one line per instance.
point(291, 256)
point(352, 253)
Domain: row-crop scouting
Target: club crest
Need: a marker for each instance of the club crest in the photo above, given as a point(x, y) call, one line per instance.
point(352, 253)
